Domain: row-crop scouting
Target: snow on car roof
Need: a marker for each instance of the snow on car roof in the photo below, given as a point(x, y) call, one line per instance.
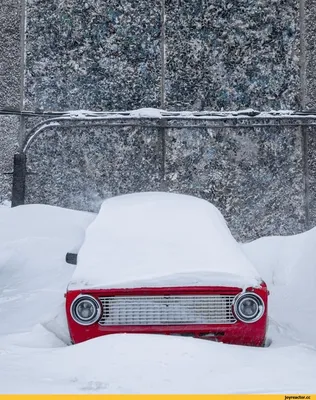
point(160, 239)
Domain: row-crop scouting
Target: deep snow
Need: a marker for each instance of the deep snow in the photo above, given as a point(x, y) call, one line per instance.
point(160, 239)
point(35, 357)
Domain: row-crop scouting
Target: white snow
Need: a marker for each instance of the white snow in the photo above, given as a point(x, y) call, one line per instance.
point(155, 113)
point(34, 240)
point(154, 239)
point(288, 264)
point(35, 358)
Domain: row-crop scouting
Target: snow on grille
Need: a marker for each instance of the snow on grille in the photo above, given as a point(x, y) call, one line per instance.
point(167, 310)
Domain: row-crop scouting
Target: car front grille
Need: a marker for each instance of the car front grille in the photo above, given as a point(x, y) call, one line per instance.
point(167, 310)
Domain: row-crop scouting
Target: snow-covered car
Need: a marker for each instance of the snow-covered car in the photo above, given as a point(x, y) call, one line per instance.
point(164, 263)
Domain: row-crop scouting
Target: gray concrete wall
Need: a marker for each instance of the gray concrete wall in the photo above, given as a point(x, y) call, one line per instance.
point(232, 54)
point(9, 126)
point(10, 87)
point(10, 53)
point(178, 55)
point(255, 176)
point(204, 54)
point(96, 54)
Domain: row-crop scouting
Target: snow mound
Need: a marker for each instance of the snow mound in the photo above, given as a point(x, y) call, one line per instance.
point(157, 364)
point(154, 239)
point(34, 240)
point(34, 357)
point(288, 266)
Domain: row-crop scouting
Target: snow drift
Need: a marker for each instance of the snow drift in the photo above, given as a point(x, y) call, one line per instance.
point(34, 240)
point(160, 239)
point(35, 358)
point(288, 266)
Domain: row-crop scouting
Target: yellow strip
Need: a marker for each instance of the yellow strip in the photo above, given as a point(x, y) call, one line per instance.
point(163, 397)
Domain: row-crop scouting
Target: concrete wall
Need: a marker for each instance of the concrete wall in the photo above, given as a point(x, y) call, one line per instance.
point(255, 176)
point(97, 55)
point(10, 87)
point(10, 53)
point(178, 55)
point(202, 54)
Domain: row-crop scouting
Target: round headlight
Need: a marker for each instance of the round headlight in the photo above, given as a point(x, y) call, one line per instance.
point(249, 307)
point(85, 310)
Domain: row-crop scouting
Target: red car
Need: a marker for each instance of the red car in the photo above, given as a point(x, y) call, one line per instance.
point(164, 264)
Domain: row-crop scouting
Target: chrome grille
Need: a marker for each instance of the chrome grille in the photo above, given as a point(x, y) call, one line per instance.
point(167, 310)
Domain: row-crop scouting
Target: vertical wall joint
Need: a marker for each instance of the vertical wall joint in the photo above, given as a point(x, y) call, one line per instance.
point(163, 55)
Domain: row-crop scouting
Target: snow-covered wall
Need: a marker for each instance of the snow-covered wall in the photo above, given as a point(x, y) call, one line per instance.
point(232, 54)
point(95, 54)
point(105, 54)
point(177, 55)
point(255, 176)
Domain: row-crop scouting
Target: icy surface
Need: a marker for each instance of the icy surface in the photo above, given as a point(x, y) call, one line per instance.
point(35, 358)
point(160, 239)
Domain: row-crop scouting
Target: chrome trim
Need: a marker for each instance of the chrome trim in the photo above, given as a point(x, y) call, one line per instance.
point(167, 310)
point(238, 314)
point(94, 301)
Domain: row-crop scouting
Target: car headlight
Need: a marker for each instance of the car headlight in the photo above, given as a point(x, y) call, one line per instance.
point(85, 310)
point(249, 307)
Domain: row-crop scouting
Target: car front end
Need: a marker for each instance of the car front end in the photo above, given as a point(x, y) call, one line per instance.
point(224, 314)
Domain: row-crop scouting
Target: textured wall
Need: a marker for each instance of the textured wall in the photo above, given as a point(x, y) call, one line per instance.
point(78, 168)
point(219, 54)
point(9, 126)
point(94, 54)
point(232, 54)
point(10, 87)
point(254, 176)
point(309, 55)
point(310, 143)
point(308, 89)
point(10, 53)
point(177, 54)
